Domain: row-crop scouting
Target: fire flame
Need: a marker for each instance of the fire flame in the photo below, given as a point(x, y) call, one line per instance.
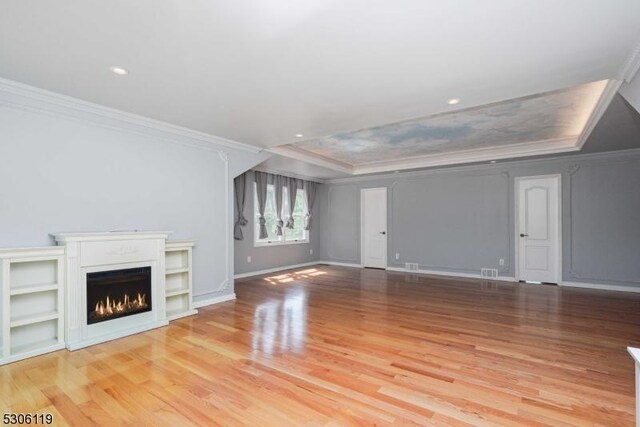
point(110, 306)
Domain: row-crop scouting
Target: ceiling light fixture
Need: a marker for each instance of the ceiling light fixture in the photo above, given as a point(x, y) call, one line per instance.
point(299, 135)
point(453, 101)
point(119, 70)
point(493, 161)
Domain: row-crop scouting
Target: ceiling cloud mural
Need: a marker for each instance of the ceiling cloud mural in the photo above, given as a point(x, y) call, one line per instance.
point(542, 117)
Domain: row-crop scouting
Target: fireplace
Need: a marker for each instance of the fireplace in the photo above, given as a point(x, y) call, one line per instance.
point(118, 293)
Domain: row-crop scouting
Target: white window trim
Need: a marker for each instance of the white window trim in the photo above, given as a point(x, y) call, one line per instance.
point(262, 243)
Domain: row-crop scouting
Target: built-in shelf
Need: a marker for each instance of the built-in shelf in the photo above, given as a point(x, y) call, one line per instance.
point(170, 294)
point(179, 279)
point(30, 319)
point(31, 300)
point(177, 271)
point(32, 289)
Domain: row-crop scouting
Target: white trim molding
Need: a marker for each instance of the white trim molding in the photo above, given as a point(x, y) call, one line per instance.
point(600, 286)
point(212, 301)
point(609, 92)
point(28, 98)
point(484, 154)
point(274, 270)
point(497, 166)
point(341, 264)
point(306, 156)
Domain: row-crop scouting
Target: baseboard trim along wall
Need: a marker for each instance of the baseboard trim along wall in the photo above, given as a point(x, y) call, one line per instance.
point(452, 274)
point(274, 270)
point(212, 301)
point(600, 286)
point(341, 264)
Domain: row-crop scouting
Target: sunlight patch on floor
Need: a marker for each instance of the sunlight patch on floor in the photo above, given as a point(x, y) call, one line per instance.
point(295, 275)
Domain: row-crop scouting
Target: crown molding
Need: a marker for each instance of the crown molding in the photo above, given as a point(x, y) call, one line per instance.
point(526, 149)
point(631, 65)
point(24, 97)
point(288, 174)
point(306, 156)
point(609, 92)
point(621, 154)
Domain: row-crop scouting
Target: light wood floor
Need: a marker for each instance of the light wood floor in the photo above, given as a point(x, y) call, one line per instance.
point(339, 346)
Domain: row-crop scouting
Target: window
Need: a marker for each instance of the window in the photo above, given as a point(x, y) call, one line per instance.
point(296, 235)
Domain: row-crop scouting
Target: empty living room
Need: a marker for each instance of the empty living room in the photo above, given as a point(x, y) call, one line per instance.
point(320, 213)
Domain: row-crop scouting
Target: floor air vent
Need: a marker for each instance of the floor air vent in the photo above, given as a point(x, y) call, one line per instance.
point(489, 273)
point(411, 266)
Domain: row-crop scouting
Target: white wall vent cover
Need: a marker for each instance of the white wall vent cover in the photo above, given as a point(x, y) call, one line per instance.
point(489, 273)
point(411, 266)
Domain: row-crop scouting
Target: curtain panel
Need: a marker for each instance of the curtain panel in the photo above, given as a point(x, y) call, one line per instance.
point(240, 189)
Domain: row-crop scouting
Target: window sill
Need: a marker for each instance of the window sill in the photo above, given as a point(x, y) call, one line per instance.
point(292, 242)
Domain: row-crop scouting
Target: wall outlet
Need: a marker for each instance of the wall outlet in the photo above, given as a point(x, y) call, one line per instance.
point(397, 255)
point(310, 251)
point(501, 262)
point(249, 258)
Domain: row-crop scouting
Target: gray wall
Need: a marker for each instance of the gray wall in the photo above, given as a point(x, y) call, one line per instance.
point(462, 219)
point(61, 174)
point(267, 257)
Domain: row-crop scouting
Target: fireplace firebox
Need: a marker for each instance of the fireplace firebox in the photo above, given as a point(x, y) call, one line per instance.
point(118, 293)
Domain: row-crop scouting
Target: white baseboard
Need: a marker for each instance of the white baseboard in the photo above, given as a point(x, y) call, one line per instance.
point(273, 270)
point(341, 264)
point(453, 274)
point(216, 300)
point(600, 286)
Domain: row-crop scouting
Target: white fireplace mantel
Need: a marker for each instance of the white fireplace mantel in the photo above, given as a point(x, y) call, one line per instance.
point(104, 251)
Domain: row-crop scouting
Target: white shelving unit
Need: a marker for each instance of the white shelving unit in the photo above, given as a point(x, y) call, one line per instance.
point(179, 279)
point(31, 296)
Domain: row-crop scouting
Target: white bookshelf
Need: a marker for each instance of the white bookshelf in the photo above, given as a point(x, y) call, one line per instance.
point(31, 296)
point(179, 279)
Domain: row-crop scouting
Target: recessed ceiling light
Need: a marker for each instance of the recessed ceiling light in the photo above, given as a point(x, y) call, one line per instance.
point(453, 101)
point(299, 135)
point(493, 161)
point(119, 70)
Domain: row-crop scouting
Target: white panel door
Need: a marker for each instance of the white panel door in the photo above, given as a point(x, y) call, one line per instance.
point(538, 229)
point(374, 227)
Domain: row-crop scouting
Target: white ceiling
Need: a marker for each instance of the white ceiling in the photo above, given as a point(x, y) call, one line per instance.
point(261, 71)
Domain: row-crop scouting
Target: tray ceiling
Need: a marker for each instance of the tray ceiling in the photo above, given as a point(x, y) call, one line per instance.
point(557, 117)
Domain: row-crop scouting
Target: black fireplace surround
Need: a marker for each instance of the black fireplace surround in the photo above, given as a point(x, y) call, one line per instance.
point(118, 293)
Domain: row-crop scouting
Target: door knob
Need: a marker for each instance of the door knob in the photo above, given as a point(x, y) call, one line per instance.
point(524, 235)
point(383, 232)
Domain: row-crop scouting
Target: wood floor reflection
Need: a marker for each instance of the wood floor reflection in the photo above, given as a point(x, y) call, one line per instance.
point(340, 346)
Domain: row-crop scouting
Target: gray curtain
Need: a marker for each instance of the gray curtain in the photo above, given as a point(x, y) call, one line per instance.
point(279, 181)
point(292, 192)
point(240, 188)
point(310, 189)
point(261, 186)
